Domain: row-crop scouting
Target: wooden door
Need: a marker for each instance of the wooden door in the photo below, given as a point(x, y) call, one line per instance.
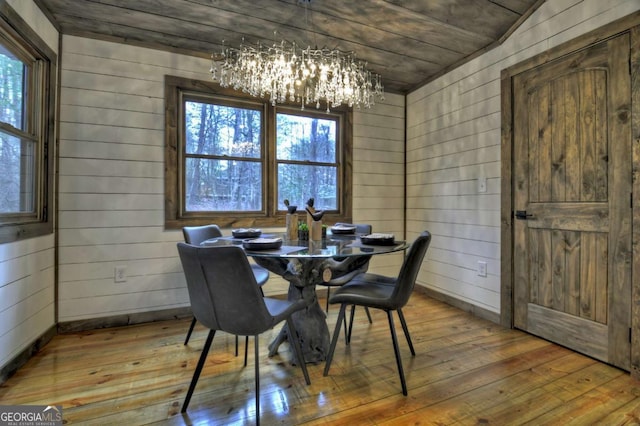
point(572, 195)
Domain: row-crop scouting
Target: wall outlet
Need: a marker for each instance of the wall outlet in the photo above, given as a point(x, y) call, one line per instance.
point(120, 274)
point(482, 184)
point(482, 268)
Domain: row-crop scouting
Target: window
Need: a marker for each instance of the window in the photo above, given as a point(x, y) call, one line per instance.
point(26, 129)
point(223, 159)
point(307, 159)
point(233, 160)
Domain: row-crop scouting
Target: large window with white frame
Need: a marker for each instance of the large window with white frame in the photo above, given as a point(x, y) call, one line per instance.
point(26, 131)
point(233, 160)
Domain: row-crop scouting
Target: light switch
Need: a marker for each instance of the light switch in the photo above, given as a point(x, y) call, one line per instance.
point(482, 184)
point(482, 268)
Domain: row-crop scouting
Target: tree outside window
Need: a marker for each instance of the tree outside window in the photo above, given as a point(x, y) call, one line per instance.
point(233, 160)
point(223, 161)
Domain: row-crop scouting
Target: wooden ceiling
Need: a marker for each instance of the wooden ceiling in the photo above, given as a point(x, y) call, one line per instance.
point(407, 42)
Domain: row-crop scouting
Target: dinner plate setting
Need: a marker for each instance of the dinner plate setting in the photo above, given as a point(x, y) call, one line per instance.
point(246, 233)
point(262, 243)
point(378, 239)
point(343, 229)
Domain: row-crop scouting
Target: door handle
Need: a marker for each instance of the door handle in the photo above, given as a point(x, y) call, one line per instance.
point(523, 215)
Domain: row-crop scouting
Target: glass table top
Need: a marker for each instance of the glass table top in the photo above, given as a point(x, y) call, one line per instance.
point(331, 246)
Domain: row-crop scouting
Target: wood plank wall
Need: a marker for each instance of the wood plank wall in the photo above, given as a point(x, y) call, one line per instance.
point(112, 188)
point(453, 139)
point(378, 170)
point(27, 267)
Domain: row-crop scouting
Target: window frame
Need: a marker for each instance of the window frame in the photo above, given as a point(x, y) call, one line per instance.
point(185, 96)
point(340, 155)
point(272, 214)
point(39, 114)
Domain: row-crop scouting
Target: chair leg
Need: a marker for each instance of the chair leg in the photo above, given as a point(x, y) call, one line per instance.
point(328, 294)
point(193, 324)
point(246, 348)
point(406, 331)
point(353, 312)
point(366, 309)
point(334, 339)
point(236, 345)
point(346, 331)
point(396, 349)
point(257, 363)
point(196, 374)
point(295, 341)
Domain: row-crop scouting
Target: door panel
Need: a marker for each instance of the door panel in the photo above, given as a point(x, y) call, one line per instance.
point(572, 177)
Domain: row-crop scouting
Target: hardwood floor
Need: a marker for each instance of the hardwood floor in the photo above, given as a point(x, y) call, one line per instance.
point(466, 371)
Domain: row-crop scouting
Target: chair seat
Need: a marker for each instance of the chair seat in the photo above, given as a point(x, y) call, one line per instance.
point(281, 309)
point(365, 293)
point(377, 278)
point(343, 279)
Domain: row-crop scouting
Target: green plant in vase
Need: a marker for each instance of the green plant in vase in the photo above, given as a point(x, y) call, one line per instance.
point(303, 231)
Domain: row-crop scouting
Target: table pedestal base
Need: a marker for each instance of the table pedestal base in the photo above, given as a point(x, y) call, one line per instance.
point(311, 326)
point(303, 276)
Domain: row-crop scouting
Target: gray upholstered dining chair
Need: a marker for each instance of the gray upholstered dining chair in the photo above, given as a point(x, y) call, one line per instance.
point(195, 235)
point(386, 293)
point(225, 297)
point(361, 228)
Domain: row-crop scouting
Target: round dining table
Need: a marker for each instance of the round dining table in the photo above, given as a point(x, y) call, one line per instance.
point(306, 264)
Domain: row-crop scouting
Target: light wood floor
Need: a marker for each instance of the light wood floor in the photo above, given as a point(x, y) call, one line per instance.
point(466, 371)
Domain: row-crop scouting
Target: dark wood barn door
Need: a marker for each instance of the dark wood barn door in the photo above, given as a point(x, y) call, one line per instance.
point(572, 195)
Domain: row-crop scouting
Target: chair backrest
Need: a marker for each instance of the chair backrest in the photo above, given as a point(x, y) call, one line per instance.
point(223, 291)
point(197, 234)
point(199, 293)
point(361, 228)
point(409, 270)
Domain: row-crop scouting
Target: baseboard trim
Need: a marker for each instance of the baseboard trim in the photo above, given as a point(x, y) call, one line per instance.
point(10, 368)
point(460, 304)
point(122, 320)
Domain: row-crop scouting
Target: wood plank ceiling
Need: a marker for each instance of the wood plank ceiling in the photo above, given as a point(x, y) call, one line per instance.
point(407, 42)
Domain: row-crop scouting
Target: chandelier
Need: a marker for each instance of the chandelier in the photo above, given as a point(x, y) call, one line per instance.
point(287, 73)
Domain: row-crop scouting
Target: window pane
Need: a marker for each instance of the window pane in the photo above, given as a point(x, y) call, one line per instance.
point(298, 183)
point(17, 183)
point(222, 130)
point(222, 185)
point(11, 89)
point(306, 139)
